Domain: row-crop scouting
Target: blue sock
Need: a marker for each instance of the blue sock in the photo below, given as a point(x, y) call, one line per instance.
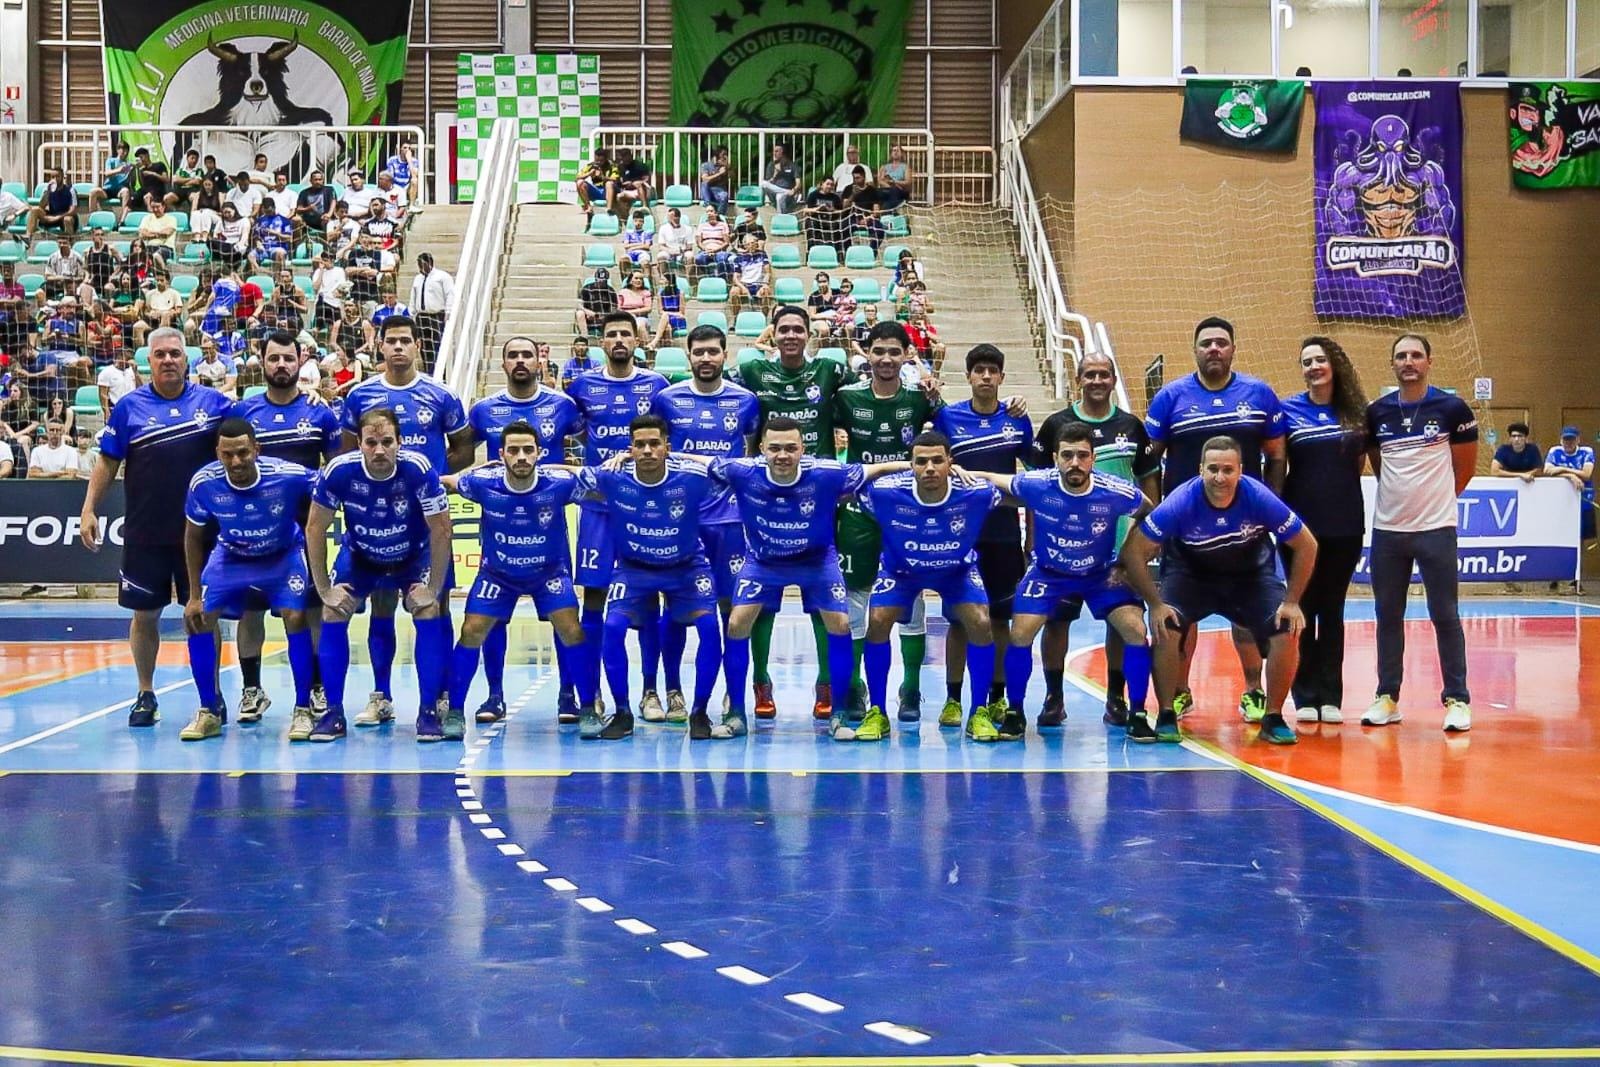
point(980, 670)
point(706, 658)
point(735, 667)
point(432, 654)
point(381, 645)
point(203, 664)
point(841, 660)
point(614, 654)
point(674, 639)
point(650, 648)
point(1136, 668)
point(333, 653)
point(563, 664)
point(593, 623)
point(301, 658)
point(1019, 670)
point(585, 667)
point(876, 661)
point(463, 665)
point(494, 663)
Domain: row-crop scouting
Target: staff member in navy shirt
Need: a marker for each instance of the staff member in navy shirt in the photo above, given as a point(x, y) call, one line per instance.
point(1518, 457)
point(1327, 444)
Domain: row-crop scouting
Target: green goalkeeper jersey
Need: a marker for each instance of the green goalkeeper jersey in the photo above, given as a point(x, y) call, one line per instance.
point(805, 395)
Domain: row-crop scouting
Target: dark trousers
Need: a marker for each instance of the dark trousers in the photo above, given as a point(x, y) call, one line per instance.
point(1434, 553)
point(1319, 680)
point(430, 327)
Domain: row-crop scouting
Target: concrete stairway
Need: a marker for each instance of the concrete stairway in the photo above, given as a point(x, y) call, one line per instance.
point(439, 230)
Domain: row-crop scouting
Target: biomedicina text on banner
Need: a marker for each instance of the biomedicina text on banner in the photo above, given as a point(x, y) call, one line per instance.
point(257, 63)
point(1260, 115)
point(1388, 200)
point(797, 63)
point(1555, 134)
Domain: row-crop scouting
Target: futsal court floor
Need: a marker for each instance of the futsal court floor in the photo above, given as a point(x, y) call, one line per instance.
point(1367, 896)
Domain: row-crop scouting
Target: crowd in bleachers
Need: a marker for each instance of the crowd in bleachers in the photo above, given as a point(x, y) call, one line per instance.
point(89, 268)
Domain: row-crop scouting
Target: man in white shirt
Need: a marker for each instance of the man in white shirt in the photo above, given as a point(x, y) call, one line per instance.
point(245, 195)
point(673, 243)
point(116, 380)
point(433, 297)
point(332, 286)
point(844, 172)
point(357, 196)
point(280, 197)
point(55, 458)
point(11, 208)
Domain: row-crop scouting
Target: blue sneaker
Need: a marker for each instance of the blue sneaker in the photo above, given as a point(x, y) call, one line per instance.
point(330, 725)
point(492, 709)
point(454, 725)
point(145, 710)
point(1275, 731)
point(567, 707)
point(429, 728)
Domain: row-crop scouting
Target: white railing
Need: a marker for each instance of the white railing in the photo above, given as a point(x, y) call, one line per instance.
point(483, 245)
point(1042, 72)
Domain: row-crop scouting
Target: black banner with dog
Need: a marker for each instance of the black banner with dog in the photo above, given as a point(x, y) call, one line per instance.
point(39, 543)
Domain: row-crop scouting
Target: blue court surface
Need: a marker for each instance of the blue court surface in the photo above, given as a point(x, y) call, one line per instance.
point(530, 898)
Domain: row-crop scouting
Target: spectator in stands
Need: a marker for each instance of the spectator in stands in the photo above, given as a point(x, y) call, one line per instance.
point(858, 336)
point(39, 369)
point(137, 267)
point(229, 237)
point(187, 177)
point(1573, 461)
point(674, 241)
point(368, 269)
point(912, 298)
point(219, 294)
point(390, 306)
point(579, 361)
point(633, 180)
point(54, 458)
point(15, 322)
point(842, 174)
point(104, 333)
point(598, 182)
point(280, 200)
point(206, 207)
point(152, 183)
point(8, 462)
point(12, 208)
point(332, 288)
point(288, 303)
point(402, 168)
point(596, 300)
point(163, 307)
point(62, 330)
point(58, 209)
point(906, 268)
point(890, 197)
point(88, 455)
point(382, 225)
point(351, 333)
point(101, 262)
point(752, 276)
point(272, 243)
point(313, 207)
point(261, 173)
point(749, 224)
point(844, 309)
point(1518, 457)
point(636, 299)
point(714, 179)
point(861, 196)
point(358, 196)
point(218, 176)
point(781, 179)
point(345, 368)
point(18, 419)
point(925, 338)
point(897, 174)
point(58, 410)
point(672, 321)
point(825, 219)
point(433, 297)
point(116, 381)
point(116, 181)
point(159, 232)
point(711, 240)
point(63, 271)
point(245, 195)
point(342, 230)
point(213, 368)
point(635, 241)
point(126, 304)
point(820, 305)
point(393, 196)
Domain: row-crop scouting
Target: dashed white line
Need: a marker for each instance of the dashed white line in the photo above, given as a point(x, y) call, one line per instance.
point(532, 866)
point(594, 904)
point(636, 926)
point(812, 1002)
point(493, 833)
point(561, 885)
point(895, 1032)
point(743, 975)
point(511, 850)
point(684, 949)
point(480, 819)
point(472, 805)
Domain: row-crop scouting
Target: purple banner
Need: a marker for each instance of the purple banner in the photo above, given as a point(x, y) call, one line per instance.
point(1388, 200)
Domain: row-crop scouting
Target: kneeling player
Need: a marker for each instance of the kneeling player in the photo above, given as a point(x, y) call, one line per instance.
point(524, 536)
point(260, 553)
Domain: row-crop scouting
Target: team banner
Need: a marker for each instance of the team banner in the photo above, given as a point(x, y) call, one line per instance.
point(1260, 115)
point(1516, 532)
point(555, 100)
point(832, 63)
point(39, 529)
point(1555, 134)
point(1388, 200)
point(254, 63)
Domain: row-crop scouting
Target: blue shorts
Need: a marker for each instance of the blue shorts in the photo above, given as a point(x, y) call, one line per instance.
point(148, 576)
point(1062, 597)
point(821, 585)
point(594, 189)
point(688, 588)
point(724, 546)
point(596, 559)
point(365, 577)
point(230, 586)
point(496, 596)
point(955, 585)
point(1249, 599)
point(678, 323)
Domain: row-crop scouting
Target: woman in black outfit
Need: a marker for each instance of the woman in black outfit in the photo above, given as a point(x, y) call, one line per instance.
point(1327, 445)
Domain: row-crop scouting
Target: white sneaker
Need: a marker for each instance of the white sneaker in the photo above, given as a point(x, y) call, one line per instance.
point(379, 710)
point(650, 709)
point(300, 724)
point(677, 707)
point(319, 701)
point(253, 703)
point(1382, 712)
point(1332, 714)
point(1457, 716)
point(1305, 713)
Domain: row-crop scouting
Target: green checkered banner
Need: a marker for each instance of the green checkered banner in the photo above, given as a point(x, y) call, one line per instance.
point(556, 102)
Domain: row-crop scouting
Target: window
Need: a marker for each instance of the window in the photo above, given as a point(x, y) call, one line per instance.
point(1227, 36)
point(1428, 38)
point(1523, 37)
point(1331, 37)
point(1588, 39)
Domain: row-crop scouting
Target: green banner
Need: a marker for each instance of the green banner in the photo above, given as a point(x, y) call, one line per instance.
point(216, 64)
point(1555, 135)
point(1259, 115)
point(555, 99)
point(833, 63)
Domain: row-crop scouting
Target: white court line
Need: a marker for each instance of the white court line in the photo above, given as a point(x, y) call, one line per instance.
point(904, 1034)
point(93, 715)
point(560, 885)
point(594, 904)
point(685, 950)
point(636, 926)
point(511, 850)
point(532, 866)
point(480, 819)
point(812, 1002)
point(743, 975)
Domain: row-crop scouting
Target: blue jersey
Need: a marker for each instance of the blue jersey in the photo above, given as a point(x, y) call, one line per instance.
point(1323, 485)
point(1576, 460)
point(399, 170)
point(1185, 414)
point(995, 443)
point(919, 536)
point(1075, 534)
point(608, 405)
point(717, 425)
point(652, 525)
point(385, 312)
point(225, 295)
point(259, 521)
point(524, 533)
point(428, 414)
point(385, 521)
point(788, 523)
point(1236, 539)
point(299, 431)
point(554, 418)
point(161, 443)
point(576, 367)
point(275, 231)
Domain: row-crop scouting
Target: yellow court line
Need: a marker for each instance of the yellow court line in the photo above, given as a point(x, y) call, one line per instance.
point(1149, 1059)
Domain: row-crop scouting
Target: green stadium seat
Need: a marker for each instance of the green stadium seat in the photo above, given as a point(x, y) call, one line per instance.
point(604, 224)
point(822, 257)
point(13, 251)
point(131, 221)
point(302, 282)
point(679, 196)
point(38, 192)
point(673, 363)
point(785, 257)
point(867, 290)
point(182, 219)
point(784, 225)
point(711, 291)
point(860, 257)
point(86, 400)
point(31, 284)
point(750, 324)
point(122, 248)
point(748, 196)
point(712, 318)
point(16, 189)
point(185, 284)
point(105, 220)
point(254, 390)
point(789, 291)
point(264, 281)
point(82, 247)
point(891, 254)
point(43, 250)
point(83, 189)
point(141, 359)
point(193, 353)
point(599, 256)
point(896, 226)
point(838, 355)
point(195, 253)
point(747, 355)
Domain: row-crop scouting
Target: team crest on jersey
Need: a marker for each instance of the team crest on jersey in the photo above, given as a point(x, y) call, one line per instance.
point(642, 405)
point(837, 591)
point(1242, 407)
point(906, 434)
point(401, 506)
point(1098, 527)
point(735, 564)
point(297, 584)
point(303, 426)
point(957, 525)
point(199, 417)
point(1431, 430)
point(553, 585)
point(730, 421)
point(547, 428)
point(277, 508)
point(807, 506)
point(546, 516)
point(813, 393)
point(676, 511)
point(424, 416)
point(702, 584)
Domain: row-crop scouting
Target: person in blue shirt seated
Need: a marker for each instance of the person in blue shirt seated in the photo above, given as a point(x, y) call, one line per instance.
point(1574, 461)
point(1216, 535)
point(1518, 457)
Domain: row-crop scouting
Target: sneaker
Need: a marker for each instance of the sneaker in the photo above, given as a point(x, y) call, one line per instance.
point(300, 723)
point(1382, 712)
point(1332, 715)
point(1252, 705)
point(206, 724)
point(910, 709)
point(1140, 730)
point(841, 730)
point(1275, 731)
point(677, 707)
point(650, 709)
point(491, 710)
point(1183, 703)
point(1013, 724)
point(429, 728)
point(454, 725)
point(567, 707)
point(329, 726)
point(950, 714)
point(253, 703)
point(1167, 727)
point(823, 707)
point(732, 725)
point(874, 726)
point(590, 723)
point(1457, 716)
point(1052, 715)
point(145, 710)
point(1307, 713)
point(699, 725)
point(1116, 713)
point(765, 706)
point(980, 727)
point(617, 726)
point(379, 710)
point(319, 700)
